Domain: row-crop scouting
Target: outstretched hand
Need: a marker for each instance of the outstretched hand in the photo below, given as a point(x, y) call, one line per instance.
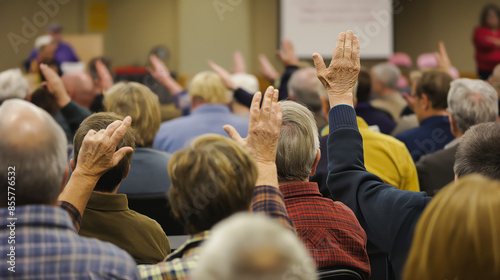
point(267, 69)
point(341, 76)
point(55, 86)
point(223, 74)
point(161, 74)
point(239, 63)
point(443, 60)
point(104, 76)
point(264, 128)
point(288, 56)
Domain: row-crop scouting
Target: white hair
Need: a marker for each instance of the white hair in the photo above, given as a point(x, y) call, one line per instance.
point(471, 102)
point(248, 82)
point(387, 73)
point(42, 41)
point(250, 246)
point(298, 144)
point(304, 87)
point(36, 146)
point(13, 85)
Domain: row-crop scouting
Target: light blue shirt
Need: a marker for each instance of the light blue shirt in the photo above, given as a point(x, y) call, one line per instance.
point(176, 134)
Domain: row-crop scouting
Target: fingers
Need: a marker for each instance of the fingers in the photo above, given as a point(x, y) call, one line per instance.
point(348, 47)
point(219, 70)
point(265, 112)
point(48, 72)
point(120, 154)
point(279, 115)
point(355, 51)
point(120, 131)
point(255, 109)
point(231, 131)
point(111, 128)
point(274, 105)
point(319, 63)
point(287, 46)
point(338, 52)
point(239, 62)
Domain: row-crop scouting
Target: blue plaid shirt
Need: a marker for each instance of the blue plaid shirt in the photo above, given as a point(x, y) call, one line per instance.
point(47, 247)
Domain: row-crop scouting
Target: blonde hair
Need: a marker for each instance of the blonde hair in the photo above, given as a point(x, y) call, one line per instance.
point(211, 179)
point(458, 235)
point(139, 102)
point(209, 87)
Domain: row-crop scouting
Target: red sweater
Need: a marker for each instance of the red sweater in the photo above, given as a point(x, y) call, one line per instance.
point(487, 54)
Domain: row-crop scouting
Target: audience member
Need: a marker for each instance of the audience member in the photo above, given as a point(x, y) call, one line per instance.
point(385, 78)
point(487, 41)
point(430, 103)
point(457, 235)
point(408, 120)
point(215, 177)
point(80, 88)
point(329, 229)
point(494, 80)
point(253, 247)
point(148, 172)
point(209, 112)
point(33, 151)
point(250, 84)
point(13, 85)
point(107, 216)
point(470, 102)
point(46, 48)
point(365, 110)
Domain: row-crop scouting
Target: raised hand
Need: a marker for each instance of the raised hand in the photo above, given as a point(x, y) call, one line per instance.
point(239, 63)
point(267, 69)
point(341, 76)
point(104, 76)
point(223, 73)
point(55, 86)
point(98, 151)
point(160, 73)
point(443, 60)
point(288, 56)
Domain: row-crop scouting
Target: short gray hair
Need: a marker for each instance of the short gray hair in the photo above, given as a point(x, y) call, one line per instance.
point(471, 102)
point(304, 87)
point(250, 246)
point(388, 73)
point(36, 147)
point(298, 144)
point(13, 85)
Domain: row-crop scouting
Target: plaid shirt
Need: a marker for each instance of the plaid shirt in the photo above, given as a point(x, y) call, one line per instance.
point(47, 247)
point(177, 265)
point(330, 230)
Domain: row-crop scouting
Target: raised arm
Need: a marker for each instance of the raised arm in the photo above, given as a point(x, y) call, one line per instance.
point(387, 214)
point(290, 61)
point(160, 73)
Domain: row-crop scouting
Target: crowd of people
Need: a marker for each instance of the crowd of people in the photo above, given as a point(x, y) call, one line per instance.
point(297, 182)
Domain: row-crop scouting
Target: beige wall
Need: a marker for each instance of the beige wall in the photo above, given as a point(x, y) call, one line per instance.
point(195, 32)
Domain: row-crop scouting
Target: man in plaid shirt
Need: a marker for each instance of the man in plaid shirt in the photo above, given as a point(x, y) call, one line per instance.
point(215, 177)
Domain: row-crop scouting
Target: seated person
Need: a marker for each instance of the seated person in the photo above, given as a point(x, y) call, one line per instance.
point(253, 247)
point(107, 216)
point(46, 48)
point(329, 229)
point(80, 88)
point(13, 85)
point(430, 103)
point(33, 153)
point(148, 172)
point(385, 77)
point(209, 112)
point(215, 177)
point(470, 102)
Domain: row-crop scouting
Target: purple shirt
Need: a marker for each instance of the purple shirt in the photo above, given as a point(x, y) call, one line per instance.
point(63, 53)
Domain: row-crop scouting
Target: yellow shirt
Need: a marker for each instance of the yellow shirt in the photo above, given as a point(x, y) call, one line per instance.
point(387, 157)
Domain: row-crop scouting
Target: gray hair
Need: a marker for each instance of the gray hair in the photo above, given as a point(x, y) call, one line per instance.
point(35, 146)
point(298, 144)
point(304, 86)
point(471, 102)
point(387, 73)
point(246, 81)
point(478, 152)
point(253, 247)
point(13, 85)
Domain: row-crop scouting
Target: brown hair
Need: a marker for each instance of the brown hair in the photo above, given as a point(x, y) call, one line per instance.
point(458, 235)
point(139, 102)
point(212, 179)
point(486, 10)
point(98, 121)
point(435, 84)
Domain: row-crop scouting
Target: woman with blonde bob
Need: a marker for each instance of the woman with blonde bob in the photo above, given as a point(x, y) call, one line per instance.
point(148, 170)
point(458, 235)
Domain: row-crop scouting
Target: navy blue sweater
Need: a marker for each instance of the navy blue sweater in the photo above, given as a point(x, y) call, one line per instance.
point(387, 214)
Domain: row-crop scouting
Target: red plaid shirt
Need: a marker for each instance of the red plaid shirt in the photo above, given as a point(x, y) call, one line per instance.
point(329, 229)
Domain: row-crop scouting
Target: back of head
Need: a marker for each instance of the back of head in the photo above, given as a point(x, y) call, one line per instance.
point(298, 144)
point(246, 81)
point(435, 84)
point(212, 178)
point(388, 74)
point(80, 87)
point(12, 85)
point(33, 148)
point(208, 87)
point(111, 179)
point(458, 234)
point(471, 102)
point(364, 86)
point(303, 88)
point(139, 102)
point(489, 8)
point(479, 151)
point(42, 98)
point(253, 247)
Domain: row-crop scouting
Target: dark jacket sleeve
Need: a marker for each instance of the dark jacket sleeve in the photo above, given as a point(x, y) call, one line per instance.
point(74, 115)
point(243, 97)
point(387, 214)
point(289, 70)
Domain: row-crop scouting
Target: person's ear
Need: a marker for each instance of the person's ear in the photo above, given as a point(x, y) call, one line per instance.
point(453, 125)
point(456, 177)
point(126, 174)
point(426, 102)
point(315, 163)
point(72, 164)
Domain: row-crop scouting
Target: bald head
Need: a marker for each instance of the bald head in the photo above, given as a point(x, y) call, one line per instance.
point(80, 87)
point(35, 146)
point(303, 87)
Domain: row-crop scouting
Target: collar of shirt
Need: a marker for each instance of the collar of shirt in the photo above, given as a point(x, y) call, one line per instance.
point(434, 120)
point(211, 108)
point(190, 247)
point(453, 143)
point(300, 189)
point(108, 201)
point(36, 216)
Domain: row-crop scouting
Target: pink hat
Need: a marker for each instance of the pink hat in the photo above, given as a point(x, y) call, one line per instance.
point(400, 59)
point(427, 60)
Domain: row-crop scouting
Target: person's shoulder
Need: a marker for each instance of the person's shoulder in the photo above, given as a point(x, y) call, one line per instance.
point(409, 134)
point(180, 121)
point(104, 251)
point(144, 223)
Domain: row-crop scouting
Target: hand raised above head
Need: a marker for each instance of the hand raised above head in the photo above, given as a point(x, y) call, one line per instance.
point(342, 74)
point(55, 86)
point(267, 69)
point(239, 63)
point(104, 75)
point(159, 70)
point(288, 56)
point(264, 127)
point(223, 74)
